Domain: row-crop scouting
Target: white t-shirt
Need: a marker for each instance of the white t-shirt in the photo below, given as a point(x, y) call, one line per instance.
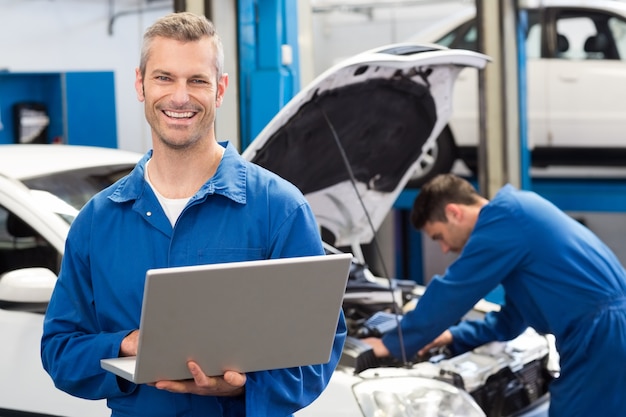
point(171, 206)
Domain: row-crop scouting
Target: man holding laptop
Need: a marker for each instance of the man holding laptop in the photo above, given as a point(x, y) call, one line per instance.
point(189, 201)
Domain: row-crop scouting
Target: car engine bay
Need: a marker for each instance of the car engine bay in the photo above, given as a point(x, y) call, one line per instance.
point(504, 378)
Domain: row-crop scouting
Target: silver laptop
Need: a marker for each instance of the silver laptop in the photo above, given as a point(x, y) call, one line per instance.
point(241, 316)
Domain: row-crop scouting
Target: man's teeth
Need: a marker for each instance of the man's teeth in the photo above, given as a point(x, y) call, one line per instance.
point(177, 115)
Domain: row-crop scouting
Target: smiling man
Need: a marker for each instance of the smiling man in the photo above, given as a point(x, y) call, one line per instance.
point(190, 200)
point(558, 278)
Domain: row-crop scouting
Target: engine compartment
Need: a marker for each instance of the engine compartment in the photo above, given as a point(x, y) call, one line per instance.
point(504, 378)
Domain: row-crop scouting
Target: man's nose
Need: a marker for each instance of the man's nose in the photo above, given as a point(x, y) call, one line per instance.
point(444, 247)
point(180, 94)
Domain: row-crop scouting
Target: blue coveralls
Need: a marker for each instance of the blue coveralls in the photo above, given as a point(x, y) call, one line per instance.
point(558, 278)
point(243, 213)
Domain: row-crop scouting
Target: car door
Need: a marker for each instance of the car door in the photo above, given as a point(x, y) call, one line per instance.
point(30, 236)
point(586, 79)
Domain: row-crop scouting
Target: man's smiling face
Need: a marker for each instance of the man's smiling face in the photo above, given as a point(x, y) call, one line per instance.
point(181, 91)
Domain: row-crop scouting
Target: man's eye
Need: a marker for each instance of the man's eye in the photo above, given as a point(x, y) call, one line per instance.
point(162, 78)
point(198, 82)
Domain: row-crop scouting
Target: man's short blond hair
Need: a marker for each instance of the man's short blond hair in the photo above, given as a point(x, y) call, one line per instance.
point(183, 27)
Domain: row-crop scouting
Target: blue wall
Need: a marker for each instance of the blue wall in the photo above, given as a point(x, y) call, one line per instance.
point(80, 105)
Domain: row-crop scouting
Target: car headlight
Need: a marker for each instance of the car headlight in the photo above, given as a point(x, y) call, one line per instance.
point(412, 397)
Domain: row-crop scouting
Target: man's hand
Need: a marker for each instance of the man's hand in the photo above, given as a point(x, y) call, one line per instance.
point(443, 339)
point(229, 385)
point(129, 344)
point(380, 350)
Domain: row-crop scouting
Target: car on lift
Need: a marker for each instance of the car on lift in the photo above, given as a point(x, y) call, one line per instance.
point(350, 142)
point(575, 83)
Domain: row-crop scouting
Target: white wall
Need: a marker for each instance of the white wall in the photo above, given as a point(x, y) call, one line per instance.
point(69, 35)
point(342, 28)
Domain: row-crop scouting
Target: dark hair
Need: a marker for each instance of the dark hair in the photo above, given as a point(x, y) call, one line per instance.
point(184, 27)
point(435, 195)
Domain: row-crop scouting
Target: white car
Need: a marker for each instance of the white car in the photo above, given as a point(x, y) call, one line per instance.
point(576, 84)
point(41, 189)
point(350, 141)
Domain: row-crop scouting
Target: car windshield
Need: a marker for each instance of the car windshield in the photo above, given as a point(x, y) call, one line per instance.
point(67, 192)
point(465, 36)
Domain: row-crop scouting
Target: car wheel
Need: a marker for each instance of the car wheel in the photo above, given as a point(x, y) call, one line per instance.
point(438, 160)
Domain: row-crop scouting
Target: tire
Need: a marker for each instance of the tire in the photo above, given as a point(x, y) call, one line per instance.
point(438, 160)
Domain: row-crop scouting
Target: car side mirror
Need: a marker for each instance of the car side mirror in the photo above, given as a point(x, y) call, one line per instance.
point(26, 286)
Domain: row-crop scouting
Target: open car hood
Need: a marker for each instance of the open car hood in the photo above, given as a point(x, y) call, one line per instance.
point(351, 139)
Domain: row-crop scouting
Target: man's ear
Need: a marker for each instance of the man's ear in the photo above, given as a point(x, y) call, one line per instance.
point(141, 96)
point(222, 83)
point(454, 213)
